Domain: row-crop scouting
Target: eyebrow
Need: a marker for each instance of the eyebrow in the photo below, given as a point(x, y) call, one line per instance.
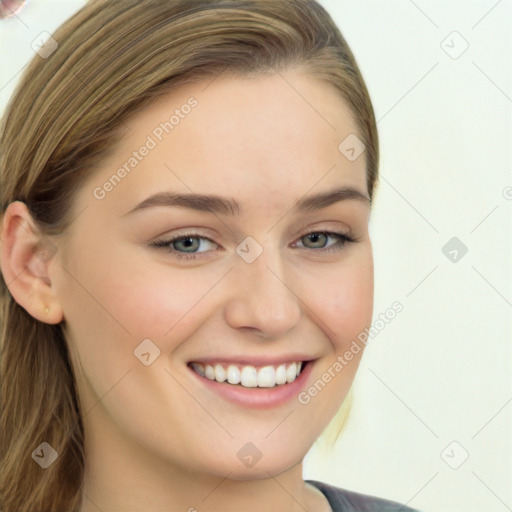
point(229, 206)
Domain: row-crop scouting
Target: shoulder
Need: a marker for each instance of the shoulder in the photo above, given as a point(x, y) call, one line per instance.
point(342, 500)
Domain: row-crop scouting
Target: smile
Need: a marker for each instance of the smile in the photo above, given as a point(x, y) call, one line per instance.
point(260, 385)
point(249, 376)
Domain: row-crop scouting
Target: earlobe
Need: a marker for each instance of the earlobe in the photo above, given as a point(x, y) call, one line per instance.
point(26, 258)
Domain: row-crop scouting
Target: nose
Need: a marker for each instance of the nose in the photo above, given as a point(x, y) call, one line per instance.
point(262, 300)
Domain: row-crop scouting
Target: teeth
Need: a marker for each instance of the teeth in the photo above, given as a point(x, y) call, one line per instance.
point(198, 368)
point(209, 372)
point(233, 374)
point(248, 376)
point(291, 373)
point(220, 373)
point(267, 377)
point(281, 374)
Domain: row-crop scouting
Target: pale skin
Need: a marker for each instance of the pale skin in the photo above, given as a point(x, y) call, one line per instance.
point(157, 439)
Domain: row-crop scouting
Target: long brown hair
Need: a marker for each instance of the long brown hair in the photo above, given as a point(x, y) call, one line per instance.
point(113, 58)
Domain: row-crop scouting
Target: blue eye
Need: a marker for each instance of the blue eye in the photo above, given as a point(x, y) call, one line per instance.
point(322, 237)
point(187, 246)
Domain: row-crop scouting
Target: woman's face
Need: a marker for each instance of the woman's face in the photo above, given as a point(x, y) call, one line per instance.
point(255, 282)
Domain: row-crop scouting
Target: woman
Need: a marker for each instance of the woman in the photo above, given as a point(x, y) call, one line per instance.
point(186, 190)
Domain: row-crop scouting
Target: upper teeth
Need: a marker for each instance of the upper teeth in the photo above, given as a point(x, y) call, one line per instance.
point(249, 376)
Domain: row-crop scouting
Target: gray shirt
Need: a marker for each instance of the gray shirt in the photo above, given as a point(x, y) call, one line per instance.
point(342, 500)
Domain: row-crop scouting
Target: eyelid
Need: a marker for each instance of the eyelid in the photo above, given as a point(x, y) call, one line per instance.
point(326, 227)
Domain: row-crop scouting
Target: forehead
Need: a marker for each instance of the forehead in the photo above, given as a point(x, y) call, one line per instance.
point(265, 137)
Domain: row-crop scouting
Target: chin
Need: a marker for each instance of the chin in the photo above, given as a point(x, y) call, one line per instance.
point(259, 460)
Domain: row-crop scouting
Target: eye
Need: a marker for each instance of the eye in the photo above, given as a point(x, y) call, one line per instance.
point(187, 246)
point(320, 239)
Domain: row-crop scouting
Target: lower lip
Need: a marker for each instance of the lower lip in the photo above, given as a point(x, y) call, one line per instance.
point(259, 398)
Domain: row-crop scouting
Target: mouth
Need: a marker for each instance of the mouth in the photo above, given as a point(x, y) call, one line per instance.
point(261, 386)
point(250, 376)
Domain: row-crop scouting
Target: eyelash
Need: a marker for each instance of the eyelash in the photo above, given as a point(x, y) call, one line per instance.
point(343, 239)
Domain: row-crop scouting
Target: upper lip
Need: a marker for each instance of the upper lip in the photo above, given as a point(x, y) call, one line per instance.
point(255, 361)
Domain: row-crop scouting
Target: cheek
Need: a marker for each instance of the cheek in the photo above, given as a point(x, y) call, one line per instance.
point(169, 303)
point(127, 298)
point(113, 309)
point(343, 306)
point(344, 302)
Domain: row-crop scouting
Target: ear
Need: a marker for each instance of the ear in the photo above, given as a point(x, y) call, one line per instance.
point(26, 260)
